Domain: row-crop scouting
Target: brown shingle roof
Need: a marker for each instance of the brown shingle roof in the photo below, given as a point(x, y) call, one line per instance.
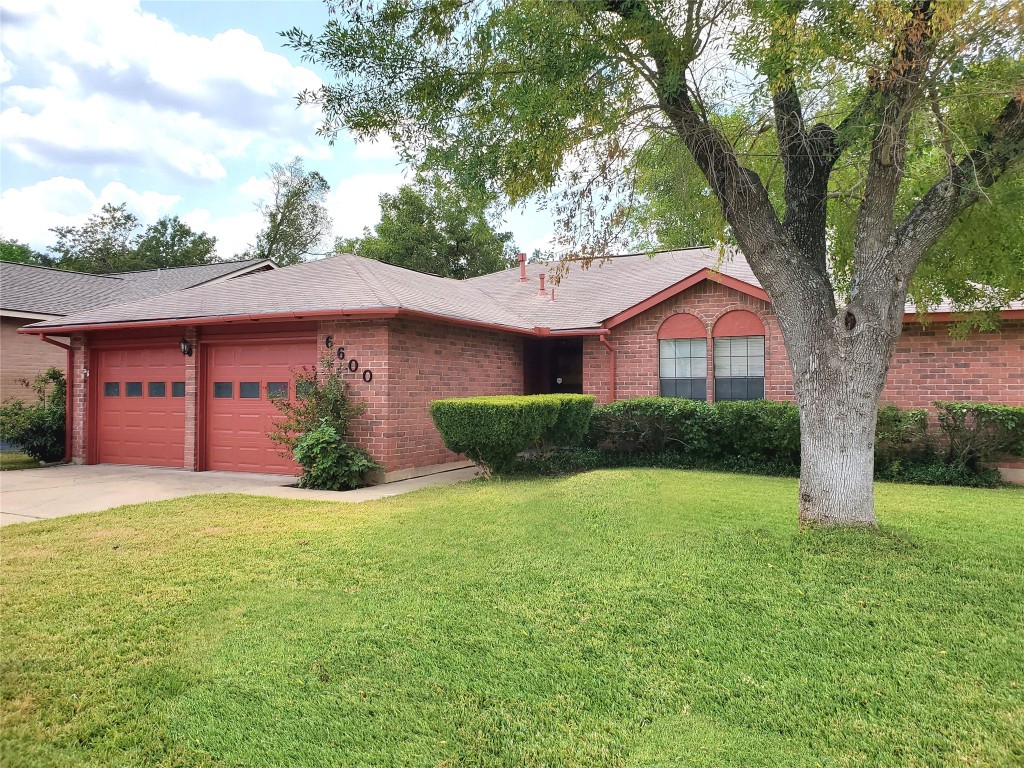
point(586, 298)
point(26, 288)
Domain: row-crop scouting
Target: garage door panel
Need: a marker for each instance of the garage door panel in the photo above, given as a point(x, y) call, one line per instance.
point(237, 426)
point(148, 430)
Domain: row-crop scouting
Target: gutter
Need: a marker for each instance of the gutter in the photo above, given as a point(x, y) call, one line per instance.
point(611, 373)
point(69, 400)
point(357, 314)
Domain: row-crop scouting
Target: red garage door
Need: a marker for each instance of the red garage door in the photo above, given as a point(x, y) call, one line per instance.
point(240, 377)
point(140, 405)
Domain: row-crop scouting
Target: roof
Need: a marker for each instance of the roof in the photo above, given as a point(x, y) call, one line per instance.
point(587, 300)
point(42, 290)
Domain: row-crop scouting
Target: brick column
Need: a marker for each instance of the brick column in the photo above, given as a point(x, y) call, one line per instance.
point(78, 382)
point(192, 395)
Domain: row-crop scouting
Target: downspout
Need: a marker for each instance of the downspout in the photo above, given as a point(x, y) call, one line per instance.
point(611, 374)
point(69, 399)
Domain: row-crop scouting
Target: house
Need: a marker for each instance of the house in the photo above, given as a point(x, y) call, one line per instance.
point(183, 379)
point(30, 294)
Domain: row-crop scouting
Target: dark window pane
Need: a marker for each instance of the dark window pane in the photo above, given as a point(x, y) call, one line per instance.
point(739, 388)
point(223, 389)
point(249, 389)
point(177, 389)
point(133, 389)
point(112, 389)
point(277, 389)
point(691, 389)
point(157, 389)
point(303, 388)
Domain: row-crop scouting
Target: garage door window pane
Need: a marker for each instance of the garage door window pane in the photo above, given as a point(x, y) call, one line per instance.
point(133, 389)
point(249, 389)
point(112, 389)
point(177, 389)
point(277, 389)
point(223, 389)
point(157, 389)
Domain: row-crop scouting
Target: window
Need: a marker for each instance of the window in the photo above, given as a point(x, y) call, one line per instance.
point(177, 389)
point(249, 389)
point(277, 389)
point(223, 389)
point(739, 368)
point(133, 389)
point(112, 389)
point(157, 389)
point(684, 368)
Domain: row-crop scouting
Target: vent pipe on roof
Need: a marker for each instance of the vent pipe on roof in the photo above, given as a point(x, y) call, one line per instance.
point(522, 267)
point(552, 293)
point(543, 290)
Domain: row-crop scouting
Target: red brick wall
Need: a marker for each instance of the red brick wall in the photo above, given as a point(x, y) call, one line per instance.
point(636, 343)
point(930, 365)
point(24, 357)
point(78, 384)
point(433, 360)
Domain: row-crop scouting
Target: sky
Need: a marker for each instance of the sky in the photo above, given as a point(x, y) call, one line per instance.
point(175, 107)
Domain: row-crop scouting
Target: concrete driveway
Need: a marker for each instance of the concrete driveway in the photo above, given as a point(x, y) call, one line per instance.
point(40, 494)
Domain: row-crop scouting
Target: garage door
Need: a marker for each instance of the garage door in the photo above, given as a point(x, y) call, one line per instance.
point(140, 411)
point(240, 378)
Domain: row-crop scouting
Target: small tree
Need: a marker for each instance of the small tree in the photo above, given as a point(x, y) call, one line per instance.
point(296, 219)
point(318, 400)
point(39, 429)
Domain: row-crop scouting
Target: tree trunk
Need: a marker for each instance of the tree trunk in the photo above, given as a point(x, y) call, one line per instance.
point(837, 454)
point(839, 370)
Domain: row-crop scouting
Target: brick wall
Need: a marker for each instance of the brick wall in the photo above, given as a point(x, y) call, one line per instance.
point(433, 360)
point(24, 357)
point(78, 384)
point(636, 343)
point(930, 365)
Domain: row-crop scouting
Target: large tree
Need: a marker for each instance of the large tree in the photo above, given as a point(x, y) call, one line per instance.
point(22, 253)
point(296, 221)
point(431, 228)
point(114, 240)
point(533, 97)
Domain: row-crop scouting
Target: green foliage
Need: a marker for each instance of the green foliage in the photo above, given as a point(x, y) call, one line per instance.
point(758, 431)
point(329, 463)
point(976, 433)
point(317, 400)
point(295, 218)
point(21, 253)
point(39, 428)
point(114, 241)
point(900, 435)
point(432, 228)
point(654, 424)
point(492, 431)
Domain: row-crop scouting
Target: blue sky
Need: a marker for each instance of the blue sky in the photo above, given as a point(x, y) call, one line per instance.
point(175, 107)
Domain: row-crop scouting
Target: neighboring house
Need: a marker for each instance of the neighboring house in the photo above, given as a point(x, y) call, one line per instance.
point(29, 294)
point(678, 324)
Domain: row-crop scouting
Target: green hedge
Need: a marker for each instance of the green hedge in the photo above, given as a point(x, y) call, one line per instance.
point(492, 431)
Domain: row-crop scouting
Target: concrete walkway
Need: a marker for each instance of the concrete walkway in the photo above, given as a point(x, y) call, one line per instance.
point(40, 494)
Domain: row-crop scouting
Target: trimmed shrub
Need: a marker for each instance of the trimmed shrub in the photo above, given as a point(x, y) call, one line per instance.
point(758, 433)
point(39, 429)
point(492, 431)
point(329, 463)
point(976, 433)
point(653, 424)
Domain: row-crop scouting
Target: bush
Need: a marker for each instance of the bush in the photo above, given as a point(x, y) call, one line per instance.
point(653, 424)
point(39, 429)
point(317, 401)
point(977, 433)
point(492, 431)
point(329, 463)
point(757, 433)
point(935, 470)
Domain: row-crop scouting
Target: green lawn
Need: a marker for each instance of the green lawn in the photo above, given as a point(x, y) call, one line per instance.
point(17, 461)
point(621, 618)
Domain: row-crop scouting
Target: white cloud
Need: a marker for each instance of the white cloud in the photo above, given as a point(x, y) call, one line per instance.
point(379, 148)
point(233, 232)
point(114, 86)
point(28, 213)
point(353, 202)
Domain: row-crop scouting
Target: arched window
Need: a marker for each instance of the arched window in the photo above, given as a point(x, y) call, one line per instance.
point(683, 357)
point(739, 356)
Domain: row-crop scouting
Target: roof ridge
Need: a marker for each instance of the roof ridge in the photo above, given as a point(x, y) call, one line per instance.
point(367, 275)
point(220, 263)
point(111, 276)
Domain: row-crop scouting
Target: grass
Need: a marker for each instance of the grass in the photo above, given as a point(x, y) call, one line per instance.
point(17, 461)
point(620, 618)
